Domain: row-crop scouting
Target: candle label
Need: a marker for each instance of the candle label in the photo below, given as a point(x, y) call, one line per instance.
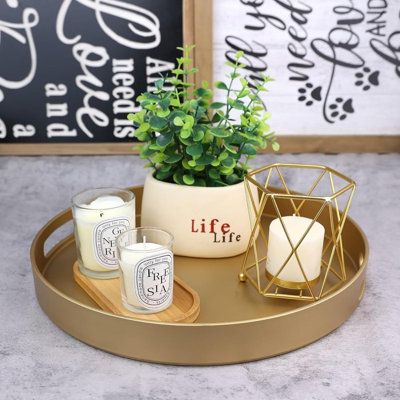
point(104, 235)
point(154, 280)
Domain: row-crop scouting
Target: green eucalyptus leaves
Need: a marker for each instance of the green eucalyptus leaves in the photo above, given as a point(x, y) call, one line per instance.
point(191, 140)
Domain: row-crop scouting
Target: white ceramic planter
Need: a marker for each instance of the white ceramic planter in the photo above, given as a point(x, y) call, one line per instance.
point(209, 222)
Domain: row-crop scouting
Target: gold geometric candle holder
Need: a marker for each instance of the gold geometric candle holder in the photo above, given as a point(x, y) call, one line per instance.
point(316, 192)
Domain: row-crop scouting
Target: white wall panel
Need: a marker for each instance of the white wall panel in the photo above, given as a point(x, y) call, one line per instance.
point(352, 49)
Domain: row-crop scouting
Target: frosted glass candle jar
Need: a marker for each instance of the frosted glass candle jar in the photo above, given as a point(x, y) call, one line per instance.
point(309, 251)
point(147, 269)
point(100, 215)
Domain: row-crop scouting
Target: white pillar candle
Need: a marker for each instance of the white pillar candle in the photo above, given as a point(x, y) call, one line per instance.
point(309, 252)
point(146, 277)
point(97, 224)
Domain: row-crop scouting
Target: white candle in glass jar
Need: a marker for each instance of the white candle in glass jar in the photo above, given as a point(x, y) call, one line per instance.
point(147, 277)
point(309, 251)
point(97, 224)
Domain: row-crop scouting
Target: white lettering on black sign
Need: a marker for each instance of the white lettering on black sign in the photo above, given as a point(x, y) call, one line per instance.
point(71, 69)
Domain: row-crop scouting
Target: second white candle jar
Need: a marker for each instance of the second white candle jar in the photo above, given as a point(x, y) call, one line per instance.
point(100, 215)
point(147, 269)
point(296, 247)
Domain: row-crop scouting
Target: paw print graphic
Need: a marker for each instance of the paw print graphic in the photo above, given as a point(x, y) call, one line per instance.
point(366, 78)
point(309, 94)
point(340, 109)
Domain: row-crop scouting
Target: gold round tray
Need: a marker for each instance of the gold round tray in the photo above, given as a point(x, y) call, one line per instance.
point(235, 324)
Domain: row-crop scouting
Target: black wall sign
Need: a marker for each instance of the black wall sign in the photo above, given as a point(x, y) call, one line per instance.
point(70, 70)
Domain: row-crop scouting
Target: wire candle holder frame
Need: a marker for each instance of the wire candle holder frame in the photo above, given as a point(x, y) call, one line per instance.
point(334, 219)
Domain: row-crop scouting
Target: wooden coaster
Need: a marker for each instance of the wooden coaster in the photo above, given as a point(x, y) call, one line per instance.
point(106, 294)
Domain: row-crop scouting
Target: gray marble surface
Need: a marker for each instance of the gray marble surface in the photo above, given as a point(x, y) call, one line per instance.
point(360, 360)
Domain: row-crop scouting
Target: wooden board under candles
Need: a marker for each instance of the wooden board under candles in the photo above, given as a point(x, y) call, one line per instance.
point(71, 70)
point(106, 293)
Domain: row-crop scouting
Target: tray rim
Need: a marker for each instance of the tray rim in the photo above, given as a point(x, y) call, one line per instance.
point(70, 238)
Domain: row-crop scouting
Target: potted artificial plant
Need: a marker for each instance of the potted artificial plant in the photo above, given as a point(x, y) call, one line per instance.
point(199, 151)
